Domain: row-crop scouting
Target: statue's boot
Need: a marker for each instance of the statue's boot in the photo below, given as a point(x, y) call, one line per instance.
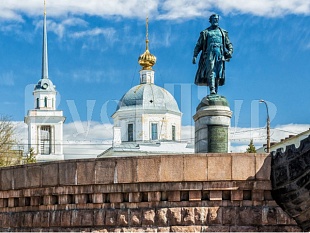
point(217, 80)
point(212, 86)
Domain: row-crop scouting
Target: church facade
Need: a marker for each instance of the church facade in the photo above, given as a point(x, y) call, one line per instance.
point(45, 122)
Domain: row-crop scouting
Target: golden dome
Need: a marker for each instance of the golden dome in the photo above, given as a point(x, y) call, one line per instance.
point(147, 60)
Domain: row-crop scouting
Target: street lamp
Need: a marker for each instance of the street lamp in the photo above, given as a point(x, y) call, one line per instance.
point(268, 126)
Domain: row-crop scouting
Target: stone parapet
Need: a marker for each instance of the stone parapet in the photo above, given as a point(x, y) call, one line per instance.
point(201, 192)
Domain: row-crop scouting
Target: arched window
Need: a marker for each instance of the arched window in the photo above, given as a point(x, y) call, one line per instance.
point(173, 133)
point(38, 103)
point(130, 132)
point(45, 102)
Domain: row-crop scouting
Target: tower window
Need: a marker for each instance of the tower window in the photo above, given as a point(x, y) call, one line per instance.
point(45, 102)
point(53, 103)
point(130, 132)
point(38, 103)
point(45, 143)
point(173, 133)
point(154, 135)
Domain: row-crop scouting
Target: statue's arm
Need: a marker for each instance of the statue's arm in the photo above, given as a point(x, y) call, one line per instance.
point(228, 44)
point(198, 47)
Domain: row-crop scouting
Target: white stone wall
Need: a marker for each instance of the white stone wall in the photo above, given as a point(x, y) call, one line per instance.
point(51, 99)
point(142, 125)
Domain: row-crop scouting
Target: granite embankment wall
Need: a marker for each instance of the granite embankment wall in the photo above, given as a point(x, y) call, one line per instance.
point(201, 192)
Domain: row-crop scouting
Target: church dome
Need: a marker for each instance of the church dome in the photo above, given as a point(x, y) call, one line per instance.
point(147, 60)
point(148, 96)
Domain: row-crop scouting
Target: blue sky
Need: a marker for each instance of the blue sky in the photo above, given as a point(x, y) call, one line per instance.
point(94, 46)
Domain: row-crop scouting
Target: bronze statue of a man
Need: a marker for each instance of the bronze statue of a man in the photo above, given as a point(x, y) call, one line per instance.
point(215, 48)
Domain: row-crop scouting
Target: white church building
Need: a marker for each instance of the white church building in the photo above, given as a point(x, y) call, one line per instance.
point(147, 119)
point(45, 123)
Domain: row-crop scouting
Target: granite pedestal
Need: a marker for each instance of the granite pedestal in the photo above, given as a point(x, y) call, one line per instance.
point(212, 122)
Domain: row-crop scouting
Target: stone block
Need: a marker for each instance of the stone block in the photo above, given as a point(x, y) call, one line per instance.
point(243, 166)
point(34, 176)
point(185, 229)
point(67, 173)
point(65, 199)
point(174, 196)
point(195, 195)
point(16, 220)
point(257, 195)
point(135, 216)
point(195, 168)
point(105, 170)
point(5, 220)
point(55, 218)
point(215, 216)
point(215, 229)
point(36, 200)
point(244, 229)
point(171, 169)
point(50, 174)
point(153, 196)
point(201, 214)
point(98, 198)
point(126, 170)
point(37, 219)
point(122, 218)
point(188, 216)
point(201, 145)
point(19, 177)
point(116, 197)
point(148, 169)
point(28, 219)
point(110, 218)
point(174, 216)
point(87, 217)
point(161, 217)
point(148, 217)
point(99, 217)
point(237, 195)
point(219, 167)
point(215, 195)
point(135, 197)
point(249, 216)
point(80, 198)
point(229, 215)
point(65, 218)
point(85, 172)
point(6, 178)
point(269, 215)
point(262, 166)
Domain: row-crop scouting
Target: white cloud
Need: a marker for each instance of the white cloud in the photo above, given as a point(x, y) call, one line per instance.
point(107, 33)
point(240, 137)
point(89, 139)
point(161, 9)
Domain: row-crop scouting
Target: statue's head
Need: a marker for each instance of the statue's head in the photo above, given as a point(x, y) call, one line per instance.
point(214, 19)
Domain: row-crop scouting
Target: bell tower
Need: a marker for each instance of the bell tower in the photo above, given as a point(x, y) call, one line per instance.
point(45, 123)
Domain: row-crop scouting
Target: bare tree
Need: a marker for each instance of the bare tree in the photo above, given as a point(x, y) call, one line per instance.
point(8, 155)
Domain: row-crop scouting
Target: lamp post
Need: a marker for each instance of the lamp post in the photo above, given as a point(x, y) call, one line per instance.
point(268, 126)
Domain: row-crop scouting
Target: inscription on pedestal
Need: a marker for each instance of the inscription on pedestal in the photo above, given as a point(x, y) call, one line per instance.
point(218, 139)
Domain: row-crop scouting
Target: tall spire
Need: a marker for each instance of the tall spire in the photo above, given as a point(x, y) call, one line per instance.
point(147, 60)
point(44, 49)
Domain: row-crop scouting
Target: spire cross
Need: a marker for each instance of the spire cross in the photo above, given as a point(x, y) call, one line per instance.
point(147, 33)
point(44, 7)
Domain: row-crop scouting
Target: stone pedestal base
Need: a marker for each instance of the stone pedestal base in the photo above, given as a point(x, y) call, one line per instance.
point(212, 122)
